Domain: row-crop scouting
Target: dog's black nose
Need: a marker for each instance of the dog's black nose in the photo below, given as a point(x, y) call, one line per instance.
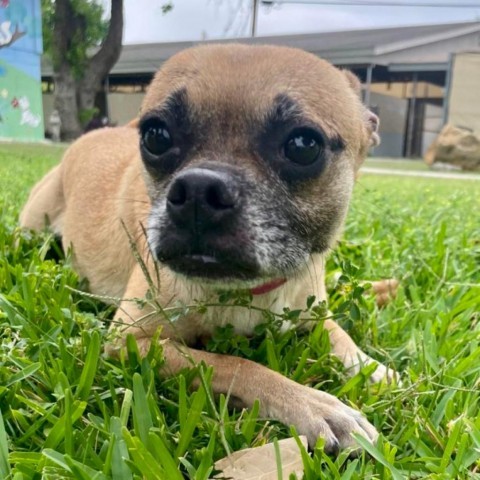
point(200, 198)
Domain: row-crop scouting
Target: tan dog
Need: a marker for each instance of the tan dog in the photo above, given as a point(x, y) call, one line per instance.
point(240, 172)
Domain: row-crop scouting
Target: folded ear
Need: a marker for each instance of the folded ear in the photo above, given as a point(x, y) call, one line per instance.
point(373, 125)
point(132, 123)
point(372, 122)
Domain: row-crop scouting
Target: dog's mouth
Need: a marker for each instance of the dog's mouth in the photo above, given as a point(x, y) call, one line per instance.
point(211, 267)
point(267, 287)
point(222, 273)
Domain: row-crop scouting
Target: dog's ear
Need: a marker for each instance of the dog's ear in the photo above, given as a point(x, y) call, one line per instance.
point(132, 123)
point(372, 121)
point(373, 125)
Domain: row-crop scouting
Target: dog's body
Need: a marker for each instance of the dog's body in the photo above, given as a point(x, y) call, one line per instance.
point(246, 164)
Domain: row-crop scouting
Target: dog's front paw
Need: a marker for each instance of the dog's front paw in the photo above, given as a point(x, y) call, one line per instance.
point(385, 291)
point(384, 374)
point(319, 414)
point(381, 373)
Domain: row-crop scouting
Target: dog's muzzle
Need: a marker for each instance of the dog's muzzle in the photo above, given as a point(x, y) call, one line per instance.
point(205, 234)
point(201, 199)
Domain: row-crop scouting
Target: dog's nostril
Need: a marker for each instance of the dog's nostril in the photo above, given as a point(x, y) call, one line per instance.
point(218, 197)
point(200, 198)
point(177, 195)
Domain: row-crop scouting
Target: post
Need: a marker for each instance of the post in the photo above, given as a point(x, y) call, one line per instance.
point(412, 116)
point(107, 90)
point(368, 85)
point(254, 18)
point(448, 86)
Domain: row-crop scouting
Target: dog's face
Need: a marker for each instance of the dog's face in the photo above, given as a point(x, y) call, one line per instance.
point(250, 156)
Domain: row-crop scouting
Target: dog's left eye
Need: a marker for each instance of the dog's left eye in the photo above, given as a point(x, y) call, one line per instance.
point(157, 139)
point(303, 146)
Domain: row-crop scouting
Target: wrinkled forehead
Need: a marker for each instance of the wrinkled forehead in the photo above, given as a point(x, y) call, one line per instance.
point(239, 84)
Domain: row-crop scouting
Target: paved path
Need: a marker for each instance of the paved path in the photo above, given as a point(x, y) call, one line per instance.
point(415, 173)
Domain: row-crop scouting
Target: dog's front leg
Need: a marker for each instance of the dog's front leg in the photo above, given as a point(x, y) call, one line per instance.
point(312, 412)
point(345, 349)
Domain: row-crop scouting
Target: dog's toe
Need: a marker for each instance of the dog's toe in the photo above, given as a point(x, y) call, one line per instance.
point(385, 374)
point(349, 422)
point(327, 417)
point(381, 373)
point(385, 290)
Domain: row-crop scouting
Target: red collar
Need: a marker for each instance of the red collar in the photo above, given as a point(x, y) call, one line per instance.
point(268, 287)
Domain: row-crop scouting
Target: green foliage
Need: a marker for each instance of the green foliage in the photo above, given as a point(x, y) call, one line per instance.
point(87, 114)
point(89, 28)
point(48, 11)
point(167, 7)
point(67, 411)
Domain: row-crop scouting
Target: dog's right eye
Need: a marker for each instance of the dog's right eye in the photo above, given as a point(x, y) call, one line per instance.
point(303, 147)
point(156, 138)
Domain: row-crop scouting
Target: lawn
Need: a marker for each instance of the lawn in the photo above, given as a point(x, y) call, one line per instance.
point(397, 164)
point(418, 165)
point(69, 412)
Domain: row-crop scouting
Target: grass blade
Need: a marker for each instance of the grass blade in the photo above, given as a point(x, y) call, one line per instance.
point(141, 412)
point(119, 467)
point(90, 368)
point(5, 471)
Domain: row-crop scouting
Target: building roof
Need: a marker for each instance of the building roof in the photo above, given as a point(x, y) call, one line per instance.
point(346, 47)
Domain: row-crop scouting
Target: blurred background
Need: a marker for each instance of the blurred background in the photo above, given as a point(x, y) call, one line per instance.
point(418, 60)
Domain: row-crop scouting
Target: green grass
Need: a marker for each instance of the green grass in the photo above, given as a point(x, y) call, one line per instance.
point(417, 165)
point(69, 412)
point(397, 164)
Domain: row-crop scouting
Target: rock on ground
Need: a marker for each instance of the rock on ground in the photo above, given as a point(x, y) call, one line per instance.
point(455, 146)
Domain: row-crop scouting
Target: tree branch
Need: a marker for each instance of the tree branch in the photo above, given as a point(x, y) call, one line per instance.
point(106, 57)
point(63, 30)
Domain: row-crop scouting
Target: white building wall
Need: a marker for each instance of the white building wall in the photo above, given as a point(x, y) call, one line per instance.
point(464, 101)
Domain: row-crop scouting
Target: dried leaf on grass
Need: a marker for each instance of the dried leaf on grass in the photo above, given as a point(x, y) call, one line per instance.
point(261, 463)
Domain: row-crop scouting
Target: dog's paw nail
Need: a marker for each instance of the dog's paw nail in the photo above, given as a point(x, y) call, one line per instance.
point(332, 447)
point(335, 422)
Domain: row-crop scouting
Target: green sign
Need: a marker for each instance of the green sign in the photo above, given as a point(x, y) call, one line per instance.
point(21, 113)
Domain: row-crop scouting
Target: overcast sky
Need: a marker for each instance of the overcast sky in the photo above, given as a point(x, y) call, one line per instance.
point(197, 19)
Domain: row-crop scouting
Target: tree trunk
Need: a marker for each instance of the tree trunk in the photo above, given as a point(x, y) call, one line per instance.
point(86, 96)
point(102, 62)
point(72, 95)
point(65, 102)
